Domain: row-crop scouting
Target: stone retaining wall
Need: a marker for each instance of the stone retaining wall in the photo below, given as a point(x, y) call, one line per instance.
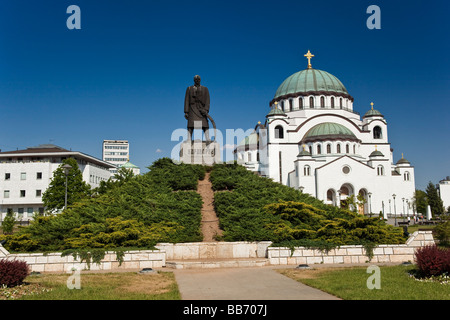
point(53, 262)
point(351, 254)
point(214, 250)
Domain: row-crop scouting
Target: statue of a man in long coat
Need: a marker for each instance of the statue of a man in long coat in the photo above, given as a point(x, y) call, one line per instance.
point(196, 108)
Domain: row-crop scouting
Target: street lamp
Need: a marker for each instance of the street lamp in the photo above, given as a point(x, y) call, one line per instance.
point(395, 210)
point(370, 204)
point(66, 169)
point(301, 189)
point(403, 199)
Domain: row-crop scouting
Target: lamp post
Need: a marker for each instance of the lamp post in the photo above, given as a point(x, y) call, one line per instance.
point(66, 169)
point(395, 211)
point(403, 212)
point(370, 204)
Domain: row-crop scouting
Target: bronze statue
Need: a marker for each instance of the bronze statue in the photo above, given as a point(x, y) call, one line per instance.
point(196, 108)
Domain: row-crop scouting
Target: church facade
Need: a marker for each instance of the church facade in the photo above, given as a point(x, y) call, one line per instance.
point(314, 141)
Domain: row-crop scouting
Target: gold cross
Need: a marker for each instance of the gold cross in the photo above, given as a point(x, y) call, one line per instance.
point(309, 56)
point(371, 105)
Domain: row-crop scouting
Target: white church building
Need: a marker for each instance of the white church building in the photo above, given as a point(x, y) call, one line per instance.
point(313, 140)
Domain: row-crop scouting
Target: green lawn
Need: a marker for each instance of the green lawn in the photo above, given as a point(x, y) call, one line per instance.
point(97, 286)
point(351, 283)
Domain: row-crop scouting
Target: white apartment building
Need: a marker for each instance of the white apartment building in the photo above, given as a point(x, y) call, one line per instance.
point(116, 152)
point(444, 191)
point(26, 174)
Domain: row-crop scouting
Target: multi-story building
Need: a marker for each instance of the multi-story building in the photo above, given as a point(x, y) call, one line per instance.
point(116, 152)
point(26, 174)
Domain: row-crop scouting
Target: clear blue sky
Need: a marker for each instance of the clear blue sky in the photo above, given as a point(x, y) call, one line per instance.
point(124, 74)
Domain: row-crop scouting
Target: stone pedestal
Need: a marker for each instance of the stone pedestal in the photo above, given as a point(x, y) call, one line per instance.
point(200, 152)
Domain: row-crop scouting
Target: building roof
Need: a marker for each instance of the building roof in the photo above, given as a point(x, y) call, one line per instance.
point(329, 131)
point(44, 150)
point(376, 153)
point(128, 165)
point(250, 140)
point(310, 80)
point(276, 112)
point(373, 113)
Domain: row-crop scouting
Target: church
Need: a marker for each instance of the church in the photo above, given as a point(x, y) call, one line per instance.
point(313, 140)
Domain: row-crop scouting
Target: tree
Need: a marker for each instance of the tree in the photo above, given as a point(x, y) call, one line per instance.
point(8, 222)
point(77, 189)
point(420, 201)
point(435, 202)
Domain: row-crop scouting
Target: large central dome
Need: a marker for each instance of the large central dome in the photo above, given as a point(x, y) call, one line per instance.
point(311, 81)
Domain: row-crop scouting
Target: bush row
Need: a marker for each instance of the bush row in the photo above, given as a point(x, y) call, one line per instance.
point(161, 205)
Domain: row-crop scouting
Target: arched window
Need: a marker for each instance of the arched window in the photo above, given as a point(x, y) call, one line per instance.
point(332, 102)
point(340, 102)
point(282, 105)
point(279, 132)
point(311, 102)
point(319, 149)
point(290, 105)
point(338, 148)
point(377, 133)
point(380, 170)
point(306, 170)
point(347, 148)
point(300, 103)
point(354, 149)
point(322, 102)
point(328, 148)
point(406, 176)
point(310, 150)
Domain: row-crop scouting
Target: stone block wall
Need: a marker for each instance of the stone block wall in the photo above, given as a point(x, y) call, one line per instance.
point(352, 254)
point(53, 262)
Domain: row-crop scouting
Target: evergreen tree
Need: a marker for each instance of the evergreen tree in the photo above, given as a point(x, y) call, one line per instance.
point(8, 222)
point(420, 201)
point(435, 202)
point(77, 189)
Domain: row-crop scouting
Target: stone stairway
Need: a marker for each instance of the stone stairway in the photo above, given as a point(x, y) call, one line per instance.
point(198, 255)
point(217, 263)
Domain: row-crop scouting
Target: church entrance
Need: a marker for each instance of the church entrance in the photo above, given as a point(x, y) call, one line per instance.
point(345, 192)
point(362, 201)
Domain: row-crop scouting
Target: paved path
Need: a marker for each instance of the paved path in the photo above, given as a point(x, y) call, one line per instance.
point(262, 283)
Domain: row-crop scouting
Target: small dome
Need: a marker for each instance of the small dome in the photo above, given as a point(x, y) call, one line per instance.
point(310, 80)
point(403, 161)
point(276, 112)
point(376, 153)
point(373, 113)
point(250, 140)
point(329, 131)
point(304, 153)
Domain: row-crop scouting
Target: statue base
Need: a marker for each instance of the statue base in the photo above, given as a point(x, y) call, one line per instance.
point(200, 152)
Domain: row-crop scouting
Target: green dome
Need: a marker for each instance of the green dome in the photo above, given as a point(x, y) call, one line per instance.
point(275, 112)
point(329, 131)
point(373, 113)
point(376, 153)
point(250, 140)
point(310, 80)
